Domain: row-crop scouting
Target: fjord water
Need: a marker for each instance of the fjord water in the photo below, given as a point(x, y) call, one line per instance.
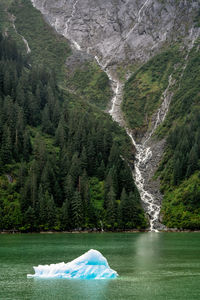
point(150, 265)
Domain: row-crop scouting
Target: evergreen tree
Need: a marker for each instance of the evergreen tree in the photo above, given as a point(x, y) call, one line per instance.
point(77, 210)
point(27, 147)
point(101, 171)
point(114, 155)
point(29, 219)
point(122, 209)
point(75, 169)
point(60, 136)
point(192, 161)
point(83, 159)
point(129, 211)
point(91, 157)
point(111, 208)
point(108, 184)
point(50, 210)
point(69, 187)
point(6, 146)
point(65, 215)
point(46, 121)
point(42, 206)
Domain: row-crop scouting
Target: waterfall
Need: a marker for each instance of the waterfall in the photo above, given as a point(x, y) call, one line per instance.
point(144, 152)
point(76, 45)
point(144, 155)
point(28, 50)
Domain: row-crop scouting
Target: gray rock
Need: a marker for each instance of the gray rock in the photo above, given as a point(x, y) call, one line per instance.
point(118, 32)
point(106, 28)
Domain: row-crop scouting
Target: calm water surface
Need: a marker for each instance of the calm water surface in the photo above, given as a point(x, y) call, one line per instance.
point(150, 265)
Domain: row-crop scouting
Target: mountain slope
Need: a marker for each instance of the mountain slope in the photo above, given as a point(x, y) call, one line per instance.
point(63, 161)
point(179, 170)
point(120, 31)
point(156, 39)
point(147, 52)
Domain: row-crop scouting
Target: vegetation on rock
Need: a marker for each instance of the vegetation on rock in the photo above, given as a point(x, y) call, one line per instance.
point(179, 169)
point(142, 92)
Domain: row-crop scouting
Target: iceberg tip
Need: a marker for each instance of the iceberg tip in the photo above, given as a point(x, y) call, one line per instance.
point(90, 265)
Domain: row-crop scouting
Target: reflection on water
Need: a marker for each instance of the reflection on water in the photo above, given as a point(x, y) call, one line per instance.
point(148, 250)
point(70, 289)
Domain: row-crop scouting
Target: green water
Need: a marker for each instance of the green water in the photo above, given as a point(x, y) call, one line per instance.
point(150, 265)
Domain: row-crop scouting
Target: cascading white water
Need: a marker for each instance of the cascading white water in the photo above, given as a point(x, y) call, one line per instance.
point(117, 88)
point(143, 150)
point(28, 50)
point(77, 46)
point(143, 154)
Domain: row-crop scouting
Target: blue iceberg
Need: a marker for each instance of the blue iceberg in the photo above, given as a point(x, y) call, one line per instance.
point(91, 265)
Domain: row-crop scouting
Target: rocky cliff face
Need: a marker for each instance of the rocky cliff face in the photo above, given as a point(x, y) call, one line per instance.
point(121, 30)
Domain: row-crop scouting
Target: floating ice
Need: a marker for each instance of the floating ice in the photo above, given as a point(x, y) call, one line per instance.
point(91, 265)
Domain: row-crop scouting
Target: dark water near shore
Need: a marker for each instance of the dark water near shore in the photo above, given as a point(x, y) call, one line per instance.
point(150, 265)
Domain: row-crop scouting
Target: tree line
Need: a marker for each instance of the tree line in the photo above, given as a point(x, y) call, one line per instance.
point(64, 156)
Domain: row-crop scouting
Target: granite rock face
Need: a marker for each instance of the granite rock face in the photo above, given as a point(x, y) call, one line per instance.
point(121, 30)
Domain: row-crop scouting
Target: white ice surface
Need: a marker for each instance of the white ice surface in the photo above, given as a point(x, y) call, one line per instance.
point(91, 265)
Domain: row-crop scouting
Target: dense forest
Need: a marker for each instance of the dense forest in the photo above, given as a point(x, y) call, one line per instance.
point(180, 168)
point(62, 161)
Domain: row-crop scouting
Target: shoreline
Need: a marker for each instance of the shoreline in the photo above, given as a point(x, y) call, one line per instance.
point(96, 231)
